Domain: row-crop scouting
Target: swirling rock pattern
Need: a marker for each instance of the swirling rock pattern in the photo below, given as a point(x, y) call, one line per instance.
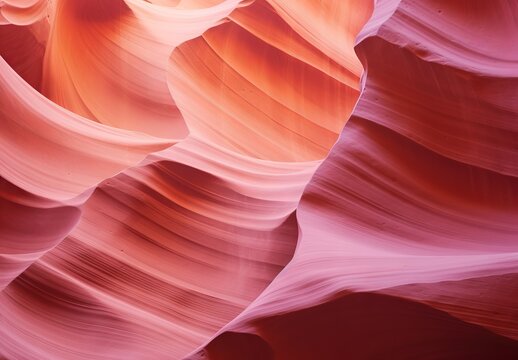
point(229, 179)
point(23, 12)
point(268, 68)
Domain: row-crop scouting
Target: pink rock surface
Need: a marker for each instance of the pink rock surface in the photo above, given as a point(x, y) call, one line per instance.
point(416, 200)
point(23, 12)
point(268, 179)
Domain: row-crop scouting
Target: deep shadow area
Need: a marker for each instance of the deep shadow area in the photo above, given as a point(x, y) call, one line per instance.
point(234, 346)
point(364, 326)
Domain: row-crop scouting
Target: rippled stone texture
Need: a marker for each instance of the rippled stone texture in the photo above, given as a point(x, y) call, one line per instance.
point(268, 179)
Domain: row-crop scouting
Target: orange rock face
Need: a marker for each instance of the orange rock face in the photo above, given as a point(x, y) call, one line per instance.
point(268, 179)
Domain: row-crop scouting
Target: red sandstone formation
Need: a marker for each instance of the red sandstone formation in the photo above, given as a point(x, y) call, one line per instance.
point(268, 179)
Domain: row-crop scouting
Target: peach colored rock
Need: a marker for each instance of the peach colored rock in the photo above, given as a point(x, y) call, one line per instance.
point(417, 200)
point(23, 12)
point(230, 179)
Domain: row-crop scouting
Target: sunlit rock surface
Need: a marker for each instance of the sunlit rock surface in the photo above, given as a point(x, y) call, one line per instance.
point(268, 179)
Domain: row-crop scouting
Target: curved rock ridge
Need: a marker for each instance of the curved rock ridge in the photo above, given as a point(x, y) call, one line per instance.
point(261, 179)
point(260, 87)
point(143, 240)
point(51, 160)
point(137, 38)
point(54, 153)
point(149, 233)
point(23, 12)
point(471, 118)
point(23, 48)
point(269, 230)
point(67, 155)
point(30, 226)
point(156, 258)
point(407, 242)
